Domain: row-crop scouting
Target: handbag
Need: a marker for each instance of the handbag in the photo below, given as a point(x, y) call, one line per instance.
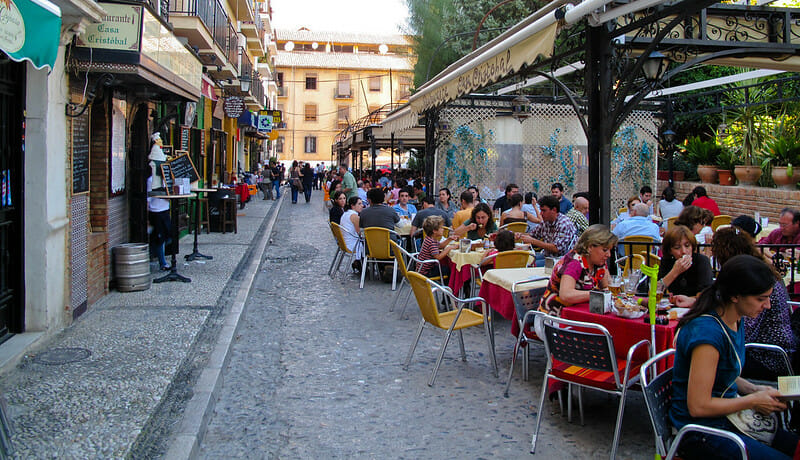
point(749, 422)
point(297, 184)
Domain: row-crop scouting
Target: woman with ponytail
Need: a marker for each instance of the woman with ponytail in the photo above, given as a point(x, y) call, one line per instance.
point(709, 357)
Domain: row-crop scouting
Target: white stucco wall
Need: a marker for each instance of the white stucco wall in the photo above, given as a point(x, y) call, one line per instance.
point(46, 195)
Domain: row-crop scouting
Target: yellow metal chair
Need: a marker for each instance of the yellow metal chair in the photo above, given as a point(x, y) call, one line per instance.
point(671, 222)
point(650, 259)
point(515, 227)
point(414, 263)
point(506, 259)
point(341, 249)
point(379, 251)
point(628, 263)
point(721, 219)
point(450, 321)
point(630, 247)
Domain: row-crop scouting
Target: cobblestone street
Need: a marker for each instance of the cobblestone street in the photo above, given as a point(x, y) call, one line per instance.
point(316, 371)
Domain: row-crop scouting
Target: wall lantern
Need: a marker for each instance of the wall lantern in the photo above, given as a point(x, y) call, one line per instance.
point(521, 108)
point(654, 66)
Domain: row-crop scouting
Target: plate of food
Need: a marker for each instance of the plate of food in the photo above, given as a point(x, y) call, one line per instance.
point(627, 308)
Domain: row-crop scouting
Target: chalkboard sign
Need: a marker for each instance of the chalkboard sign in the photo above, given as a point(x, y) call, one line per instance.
point(80, 153)
point(182, 166)
point(184, 138)
point(167, 149)
point(166, 175)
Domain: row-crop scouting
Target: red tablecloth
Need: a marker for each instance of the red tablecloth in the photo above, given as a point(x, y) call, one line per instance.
point(458, 277)
point(243, 191)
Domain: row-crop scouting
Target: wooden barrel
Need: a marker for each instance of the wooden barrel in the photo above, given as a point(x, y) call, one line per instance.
point(132, 267)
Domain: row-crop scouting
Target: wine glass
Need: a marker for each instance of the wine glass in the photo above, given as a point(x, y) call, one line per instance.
point(615, 285)
point(632, 283)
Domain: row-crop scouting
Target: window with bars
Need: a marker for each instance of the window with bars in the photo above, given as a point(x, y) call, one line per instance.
point(375, 83)
point(311, 144)
point(310, 112)
point(311, 81)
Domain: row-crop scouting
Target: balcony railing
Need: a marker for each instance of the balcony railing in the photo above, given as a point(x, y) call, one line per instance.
point(220, 29)
point(203, 9)
point(232, 46)
point(246, 66)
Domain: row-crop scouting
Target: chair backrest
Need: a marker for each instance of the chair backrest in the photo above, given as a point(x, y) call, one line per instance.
point(721, 219)
point(637, 248)
point(628, 263)
point(774, 351)
point(586, 345)
point(650, 259)
point(400, 256)
point(516, 227)
point(658, 396)
point(423, 292)
point(526, 300)
point(671, 222)
point(512, 259)
point(378, 242)
point(336, 229)
point(622, 210)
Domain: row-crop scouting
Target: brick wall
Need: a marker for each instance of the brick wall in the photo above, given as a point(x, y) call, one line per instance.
point(99, 262)
point(742, 199)
point(98, 169)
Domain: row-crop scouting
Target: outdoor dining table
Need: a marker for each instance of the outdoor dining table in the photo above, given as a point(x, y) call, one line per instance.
point(403, 229)
point(460, 263)
point(496, 290)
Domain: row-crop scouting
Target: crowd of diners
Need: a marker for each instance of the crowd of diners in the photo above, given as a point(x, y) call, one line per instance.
point(746, 301)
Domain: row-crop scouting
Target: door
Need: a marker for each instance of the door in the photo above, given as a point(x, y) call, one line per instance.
point(12, 132)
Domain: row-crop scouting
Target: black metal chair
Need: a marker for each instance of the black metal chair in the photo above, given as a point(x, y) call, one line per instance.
point(526, 303)
point(657, 395)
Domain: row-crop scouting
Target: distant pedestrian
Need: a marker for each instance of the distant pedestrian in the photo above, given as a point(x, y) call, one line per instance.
point(308, 181)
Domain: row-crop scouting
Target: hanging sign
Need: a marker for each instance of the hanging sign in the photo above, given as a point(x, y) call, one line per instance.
point(233, 106)
point(265, 123)
point(30, 30)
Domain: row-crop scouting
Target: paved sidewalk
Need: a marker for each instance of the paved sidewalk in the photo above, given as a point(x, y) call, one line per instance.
point(135, 357)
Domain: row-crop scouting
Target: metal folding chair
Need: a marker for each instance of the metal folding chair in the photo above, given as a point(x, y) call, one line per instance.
point(526, 303)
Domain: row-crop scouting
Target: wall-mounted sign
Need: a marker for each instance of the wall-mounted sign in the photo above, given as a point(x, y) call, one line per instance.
point(275, 114)
point(120, 29)
point(234, 106)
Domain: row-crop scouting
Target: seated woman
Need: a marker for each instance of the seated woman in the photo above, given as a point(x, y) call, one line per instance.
point(503, 241)
point(479, 225)
point(432, 248)
point(698, 220)
point(336, 211)
point(350, 222)
point(684, 271)
point(709, 356)
point(772, 325)
point(581, 270)
point(516, 214)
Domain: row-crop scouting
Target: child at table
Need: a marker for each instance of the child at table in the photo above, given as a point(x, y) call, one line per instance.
point(503, 241)
point(432, 248)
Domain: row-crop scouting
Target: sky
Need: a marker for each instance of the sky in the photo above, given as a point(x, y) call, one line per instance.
point(364, 16)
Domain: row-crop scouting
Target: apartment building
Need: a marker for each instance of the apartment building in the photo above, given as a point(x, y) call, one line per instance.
point(328, 80)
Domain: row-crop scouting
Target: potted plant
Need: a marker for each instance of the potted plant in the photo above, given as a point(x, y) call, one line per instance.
point(704, 154)
point(752, 136)
point(783, 154)
point(726, 162)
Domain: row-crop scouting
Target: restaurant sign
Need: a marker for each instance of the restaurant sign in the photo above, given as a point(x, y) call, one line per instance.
point(119, 30)
point(233, 106)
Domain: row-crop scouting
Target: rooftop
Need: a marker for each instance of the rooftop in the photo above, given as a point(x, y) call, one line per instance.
point(311, 59)
point(305, 35)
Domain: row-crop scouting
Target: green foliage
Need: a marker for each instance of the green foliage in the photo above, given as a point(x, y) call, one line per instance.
point(700, 152)
point(782, 151)
point(726, 159)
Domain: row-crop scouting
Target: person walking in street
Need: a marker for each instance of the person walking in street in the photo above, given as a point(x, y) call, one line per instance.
point(275, 175)
point(308, 181)
point(294, 180)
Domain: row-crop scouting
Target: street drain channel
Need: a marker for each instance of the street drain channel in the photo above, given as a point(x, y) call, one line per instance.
point(58, 356)
point(295, 253)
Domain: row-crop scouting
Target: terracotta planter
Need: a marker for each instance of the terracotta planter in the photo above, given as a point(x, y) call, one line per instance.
point(726, 177)
point(707, 173)
point(783, 180)
point(747, 175)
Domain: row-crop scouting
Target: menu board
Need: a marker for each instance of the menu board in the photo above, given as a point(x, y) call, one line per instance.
point(184, 138)
point(182, 166)
point(166, 176)
point(80, 153)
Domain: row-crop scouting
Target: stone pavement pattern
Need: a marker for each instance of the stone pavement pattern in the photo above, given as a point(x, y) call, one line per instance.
point(316, 371)
point(146, 349)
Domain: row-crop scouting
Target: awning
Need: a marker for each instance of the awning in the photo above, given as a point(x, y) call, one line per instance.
point(31, 30)
point(207, 86)
point(400, 120)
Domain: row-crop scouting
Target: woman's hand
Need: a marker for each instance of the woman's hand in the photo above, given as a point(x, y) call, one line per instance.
point(766, 401)
point(683, 301)
point(682, 264)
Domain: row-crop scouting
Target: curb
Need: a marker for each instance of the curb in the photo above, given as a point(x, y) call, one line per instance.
point(191, 428)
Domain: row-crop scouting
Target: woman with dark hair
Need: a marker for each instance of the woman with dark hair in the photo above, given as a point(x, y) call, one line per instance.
point(480, 224)
point(709, 357)
point(339, 202)
point(702, 200)
point(294, 180)
point(669, 206)
point(772, 325)
point(308, 181)
point(516, 214)
point(444, 203)
point(684, 271)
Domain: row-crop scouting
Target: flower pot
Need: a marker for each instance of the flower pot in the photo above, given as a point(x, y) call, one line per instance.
point(726, 177)
point(783, 180)
point(747, 175)
point(707, 173)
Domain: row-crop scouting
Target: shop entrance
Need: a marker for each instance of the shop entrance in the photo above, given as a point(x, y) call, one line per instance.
point(12, 139)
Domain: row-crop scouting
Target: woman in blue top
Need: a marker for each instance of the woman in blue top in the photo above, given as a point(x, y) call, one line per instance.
point(709, 356)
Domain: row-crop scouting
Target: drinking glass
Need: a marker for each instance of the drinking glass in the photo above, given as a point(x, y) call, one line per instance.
point(632, 283)
point(660, 289)
point(615, 285)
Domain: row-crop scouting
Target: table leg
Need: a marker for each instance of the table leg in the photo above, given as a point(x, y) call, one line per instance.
point(195, 253)
point(173, 271)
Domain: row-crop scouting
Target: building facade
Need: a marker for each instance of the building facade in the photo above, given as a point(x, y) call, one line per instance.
point(328, 80)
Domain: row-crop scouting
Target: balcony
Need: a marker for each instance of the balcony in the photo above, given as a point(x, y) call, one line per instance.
point(343, 93)
point(253, 30)
point(206, 26)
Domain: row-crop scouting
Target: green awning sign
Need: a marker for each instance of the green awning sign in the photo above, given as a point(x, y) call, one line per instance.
point(30, 29)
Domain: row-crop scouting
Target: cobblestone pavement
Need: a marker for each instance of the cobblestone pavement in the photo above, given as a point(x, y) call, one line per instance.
point(316, 371)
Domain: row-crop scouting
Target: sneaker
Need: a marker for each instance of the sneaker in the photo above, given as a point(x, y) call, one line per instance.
point(166, 268)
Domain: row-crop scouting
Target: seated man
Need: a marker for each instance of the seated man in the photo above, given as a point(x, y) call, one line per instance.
point(467, 203)
point(556, 234)
point(403, 208)
point(788, 232)
point(503, 203)
point(579, 214)
point(377, 214)
point(564, 204)
point(638, 224)
point(428, 209)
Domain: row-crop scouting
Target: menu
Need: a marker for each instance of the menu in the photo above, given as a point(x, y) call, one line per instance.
point(182, 166)
point(80, 153)
point(166, 175)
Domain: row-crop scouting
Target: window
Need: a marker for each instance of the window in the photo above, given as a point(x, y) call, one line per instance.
point(311, 112)
point(342, 116)
point(279, 144)
point(311, 81)
point(375, 83)
point(343, 86)
point(311, 144)
point(405, 86)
